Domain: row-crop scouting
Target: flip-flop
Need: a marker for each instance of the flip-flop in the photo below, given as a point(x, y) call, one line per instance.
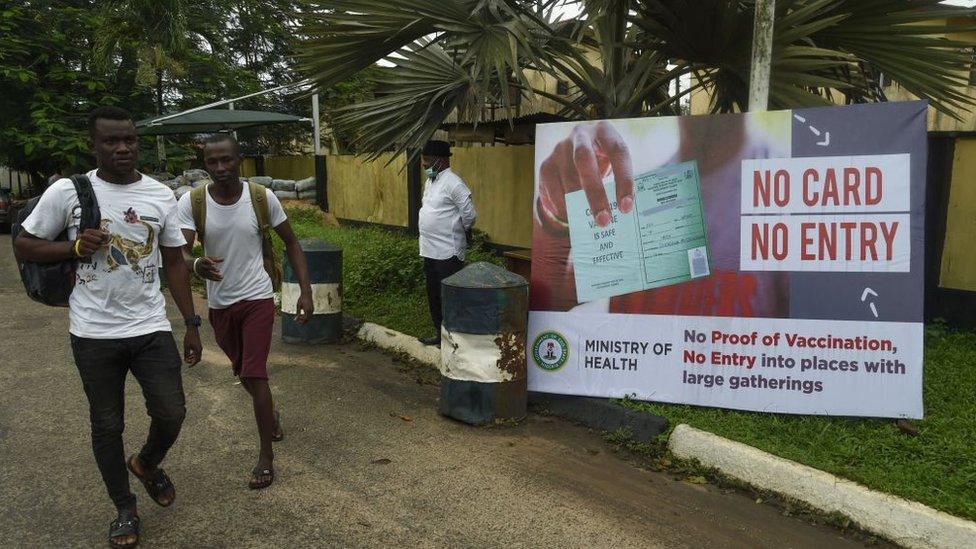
point(126, 524)
point(255, 484)
point(277, 427)
point(156, 484)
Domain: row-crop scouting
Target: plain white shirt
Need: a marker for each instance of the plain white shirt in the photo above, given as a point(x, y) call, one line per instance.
point(446, 214)
point(116, 292)
point(232, 233)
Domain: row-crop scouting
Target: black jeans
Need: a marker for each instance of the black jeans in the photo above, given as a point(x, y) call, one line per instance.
point(437, 270)
point(103, 365)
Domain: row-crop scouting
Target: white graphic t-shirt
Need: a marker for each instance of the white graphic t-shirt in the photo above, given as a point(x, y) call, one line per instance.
point(116, 291)
point(232, 233)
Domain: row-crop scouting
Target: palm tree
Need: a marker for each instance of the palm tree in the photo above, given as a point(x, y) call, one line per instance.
point(621, 56)
point(157, 30)
point(158, 34)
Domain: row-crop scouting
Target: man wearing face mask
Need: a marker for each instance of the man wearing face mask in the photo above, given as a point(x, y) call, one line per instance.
point(445, 217)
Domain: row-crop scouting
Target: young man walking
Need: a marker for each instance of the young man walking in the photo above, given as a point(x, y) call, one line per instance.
point(234, 222)
point(445, 217)
point(117, 313)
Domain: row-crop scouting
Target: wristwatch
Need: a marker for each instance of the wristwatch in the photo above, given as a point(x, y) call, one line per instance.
point(193, 321)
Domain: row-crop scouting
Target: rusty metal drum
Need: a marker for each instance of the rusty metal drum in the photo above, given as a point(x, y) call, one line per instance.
point(325, 274)
point(483, 365)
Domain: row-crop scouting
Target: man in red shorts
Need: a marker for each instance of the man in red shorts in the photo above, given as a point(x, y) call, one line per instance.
point(234, 222)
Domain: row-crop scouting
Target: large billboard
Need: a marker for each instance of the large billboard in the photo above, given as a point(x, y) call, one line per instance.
point(763, 261)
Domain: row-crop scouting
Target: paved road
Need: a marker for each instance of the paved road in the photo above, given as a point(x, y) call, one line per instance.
point(352, 472)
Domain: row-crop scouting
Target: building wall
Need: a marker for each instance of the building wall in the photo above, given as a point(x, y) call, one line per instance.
point(375, 192)
point(502, 183)
point(500, 178)
point(12, 180)
point(289, 167)
point(958, 121)
point(958, 260)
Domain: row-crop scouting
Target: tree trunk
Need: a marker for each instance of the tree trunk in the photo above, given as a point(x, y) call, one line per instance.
point(762, 54)
point(160, 141)
point(125, 76)
point(159, 92)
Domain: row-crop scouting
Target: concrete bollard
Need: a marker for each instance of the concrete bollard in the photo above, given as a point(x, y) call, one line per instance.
point(483, 367)
point(325, 274)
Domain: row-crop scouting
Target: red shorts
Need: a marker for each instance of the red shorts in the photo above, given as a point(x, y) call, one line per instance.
point(243, 331)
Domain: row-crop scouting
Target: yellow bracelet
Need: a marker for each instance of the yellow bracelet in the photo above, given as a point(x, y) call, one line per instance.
point(76, 250)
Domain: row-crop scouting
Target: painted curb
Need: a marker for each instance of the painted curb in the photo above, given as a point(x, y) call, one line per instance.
point(595, 413)
point(905, 522)
point(396, 341)
point(600, 413)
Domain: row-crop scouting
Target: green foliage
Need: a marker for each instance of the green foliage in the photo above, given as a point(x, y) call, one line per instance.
point(389, 261)
point(622, 58)
point(46, 87)
point(937, 467)
point(383, 277)
point(61, 58)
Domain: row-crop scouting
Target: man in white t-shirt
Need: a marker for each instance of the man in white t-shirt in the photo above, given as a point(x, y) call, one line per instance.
point(117, 313)
point(239, 288)
point(445, 217)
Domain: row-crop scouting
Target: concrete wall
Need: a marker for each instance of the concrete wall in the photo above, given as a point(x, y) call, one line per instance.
point(958, 259)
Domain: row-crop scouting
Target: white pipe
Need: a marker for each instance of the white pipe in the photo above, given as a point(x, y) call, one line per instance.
point(315, 124)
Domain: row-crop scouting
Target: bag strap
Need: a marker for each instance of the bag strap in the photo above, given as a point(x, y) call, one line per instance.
point(198, 205)
point(259, 201)
point(91, 215)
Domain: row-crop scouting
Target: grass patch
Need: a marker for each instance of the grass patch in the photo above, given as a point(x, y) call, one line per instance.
point(384, 283)
point(383, 273)
point(937, 468)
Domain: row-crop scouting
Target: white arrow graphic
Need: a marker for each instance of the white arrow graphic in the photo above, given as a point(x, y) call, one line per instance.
point(864, 297)
point(815, 131)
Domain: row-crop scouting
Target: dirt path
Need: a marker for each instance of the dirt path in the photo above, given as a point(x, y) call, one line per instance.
point(366, 462)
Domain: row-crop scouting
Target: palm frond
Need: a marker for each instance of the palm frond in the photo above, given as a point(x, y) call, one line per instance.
point(622, 57)
point(416, 94)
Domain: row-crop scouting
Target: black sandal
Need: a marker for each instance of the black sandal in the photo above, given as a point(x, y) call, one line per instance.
point(277, 428)
point(126, 524)
point(257, 472)
point(156, 485)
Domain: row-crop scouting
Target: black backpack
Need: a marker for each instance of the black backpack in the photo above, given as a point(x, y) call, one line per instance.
point(51, 283)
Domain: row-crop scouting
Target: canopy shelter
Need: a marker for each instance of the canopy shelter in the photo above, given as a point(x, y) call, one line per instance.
point(209, 119)
point(212, 121)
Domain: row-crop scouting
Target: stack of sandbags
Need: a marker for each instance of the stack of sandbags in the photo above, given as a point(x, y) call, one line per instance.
point(262, 180)
point(305, 188)
point(284, 189)
point(180, 191)
point(283, 185)
point(192, 176)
